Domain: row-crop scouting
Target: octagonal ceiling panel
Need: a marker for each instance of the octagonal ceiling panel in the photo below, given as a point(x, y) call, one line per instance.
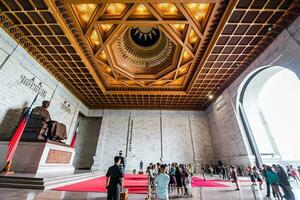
point(143, 43)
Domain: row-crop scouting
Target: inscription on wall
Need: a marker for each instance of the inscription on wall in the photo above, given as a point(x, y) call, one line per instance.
point(130, 137)
point(66, 107)
point(31, 84)
point(57, 156)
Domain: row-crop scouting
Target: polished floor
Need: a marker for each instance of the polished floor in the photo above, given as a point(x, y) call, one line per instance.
point(198, 193)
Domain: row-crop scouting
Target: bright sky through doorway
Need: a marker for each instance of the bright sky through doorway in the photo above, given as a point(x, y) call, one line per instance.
point(279, 101)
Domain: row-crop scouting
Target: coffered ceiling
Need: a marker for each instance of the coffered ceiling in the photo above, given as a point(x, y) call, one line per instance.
point(172, 54)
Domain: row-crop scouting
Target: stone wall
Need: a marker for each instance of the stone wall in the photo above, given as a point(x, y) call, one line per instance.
point(21, 78)
point(228, 137)
point(152, 136)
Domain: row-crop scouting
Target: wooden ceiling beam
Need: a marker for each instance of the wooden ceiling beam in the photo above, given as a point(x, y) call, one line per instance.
point(181, 55)
point(138, 1)
point(143, 22)
point(145, 92)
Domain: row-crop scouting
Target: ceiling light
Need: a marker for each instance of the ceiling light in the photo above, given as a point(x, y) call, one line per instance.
point(94, 38)
point(199, 10)
point(210, 96)
point(179, 27)
point(193, 37)
point(168, 8)
point(270, 29)
point(108, 69)
point(86, 11)
point(115, 8)
point(102, 55)
point(141, 10)
point(183, 69)
point(106, 27)
point(186, 55)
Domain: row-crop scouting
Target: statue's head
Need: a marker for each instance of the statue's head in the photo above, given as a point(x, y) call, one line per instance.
point(46, 104)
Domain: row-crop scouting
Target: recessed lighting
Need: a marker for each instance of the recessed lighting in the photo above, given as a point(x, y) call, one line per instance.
point(210, 96)
point(270, 29)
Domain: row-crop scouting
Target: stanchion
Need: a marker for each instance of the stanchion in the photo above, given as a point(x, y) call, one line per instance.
point(253, 191)
point(7, 169)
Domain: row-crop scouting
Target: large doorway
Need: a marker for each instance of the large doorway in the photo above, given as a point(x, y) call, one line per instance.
point(268, 105)
point(86, 142)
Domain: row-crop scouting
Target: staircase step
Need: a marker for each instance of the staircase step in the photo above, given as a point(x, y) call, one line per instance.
point(45, 183)
point(22, 177)
point(26, 186)
point(22, 181)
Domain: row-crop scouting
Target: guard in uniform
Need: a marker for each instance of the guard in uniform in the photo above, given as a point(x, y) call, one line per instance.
point(123, 162)
point(114, 180)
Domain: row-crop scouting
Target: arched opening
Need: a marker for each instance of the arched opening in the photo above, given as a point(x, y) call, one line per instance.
point(268, 107)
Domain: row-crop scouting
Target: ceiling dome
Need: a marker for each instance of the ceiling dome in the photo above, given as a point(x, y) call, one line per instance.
point(144, 46)
point(145, 36)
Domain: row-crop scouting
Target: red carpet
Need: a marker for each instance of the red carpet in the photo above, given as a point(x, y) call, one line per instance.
point(136, 184)
point(199, 182)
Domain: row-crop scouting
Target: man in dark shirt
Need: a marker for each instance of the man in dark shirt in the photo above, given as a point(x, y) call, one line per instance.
point(114, 180)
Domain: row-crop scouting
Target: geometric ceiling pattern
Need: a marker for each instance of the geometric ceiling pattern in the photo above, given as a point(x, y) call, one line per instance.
point(173, 54)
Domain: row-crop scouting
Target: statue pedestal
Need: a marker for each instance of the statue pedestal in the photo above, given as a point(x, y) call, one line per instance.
point(40, 157)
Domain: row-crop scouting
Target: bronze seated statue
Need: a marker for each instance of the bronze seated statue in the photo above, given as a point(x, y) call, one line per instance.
point(40, 127)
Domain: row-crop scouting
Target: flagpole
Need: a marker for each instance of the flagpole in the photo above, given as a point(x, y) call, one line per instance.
point(14, 141)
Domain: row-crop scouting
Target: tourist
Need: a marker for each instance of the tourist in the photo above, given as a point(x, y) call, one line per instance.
point(284, 183)
point(294, 174)
point(251, 175)
point(190, 169)
point(188, 183)
point(227, 170)
point(223, 172)
point(114, 180)
point(288, 170)
point(274, 181)
point(211, 170)
point(183, 176)
point(202, 171)
point(152, 175)
point(240, 171)
point(162, 181)
point(141, 166)
point(268, 185)
point(258, 177)
point(179, 184)
point(171, 182)
point(234, 177)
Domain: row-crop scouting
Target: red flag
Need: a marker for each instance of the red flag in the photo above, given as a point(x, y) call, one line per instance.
point(73, 142)
point(14, 141)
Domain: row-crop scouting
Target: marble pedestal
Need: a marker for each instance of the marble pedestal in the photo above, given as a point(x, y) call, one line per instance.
point(40, 157)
